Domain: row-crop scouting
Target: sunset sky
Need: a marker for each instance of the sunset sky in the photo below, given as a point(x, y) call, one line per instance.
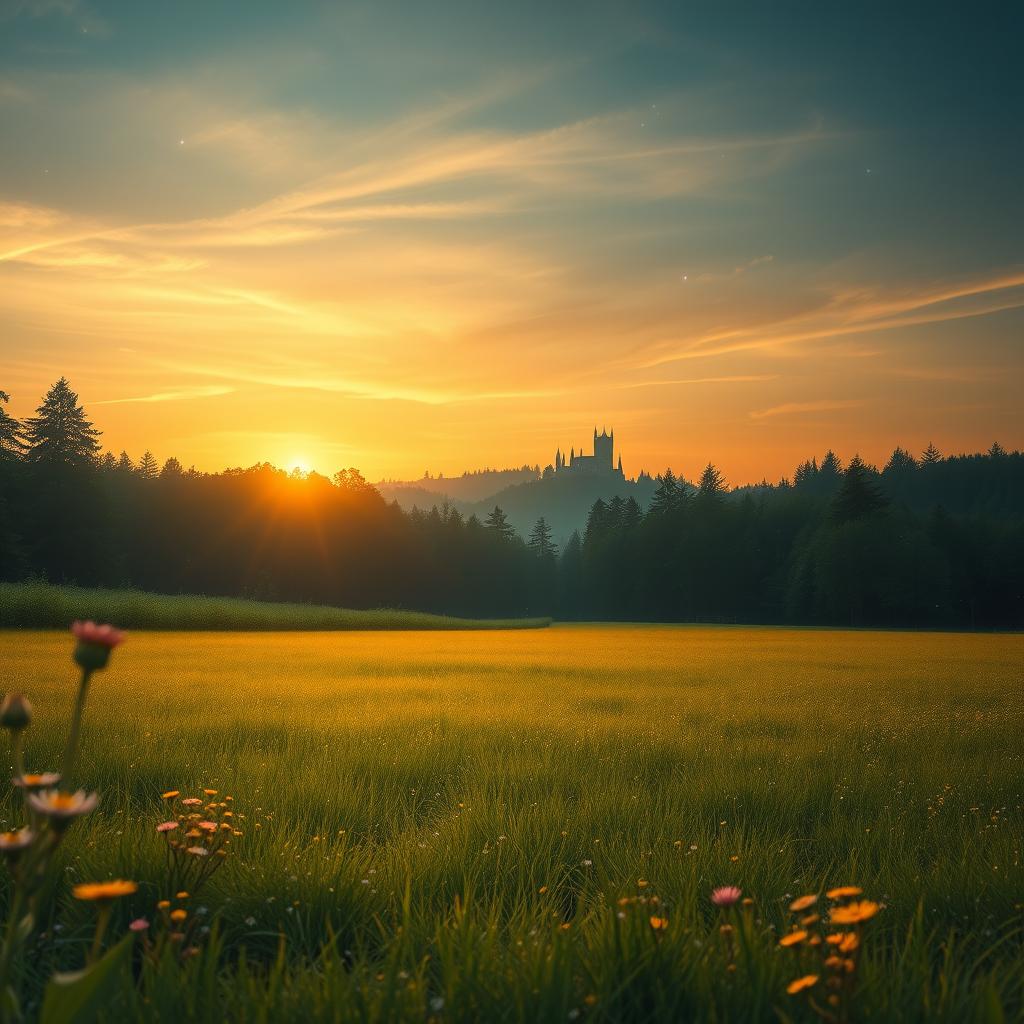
point(444, 236)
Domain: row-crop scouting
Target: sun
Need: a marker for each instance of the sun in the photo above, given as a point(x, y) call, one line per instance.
point(300, 464)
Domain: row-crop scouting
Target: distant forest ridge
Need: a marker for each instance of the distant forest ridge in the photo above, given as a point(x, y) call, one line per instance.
point(924, 541)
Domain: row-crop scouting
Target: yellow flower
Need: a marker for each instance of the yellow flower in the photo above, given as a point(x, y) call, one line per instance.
point(843, 891)
point(659, 924)
point(163, 904)
point(642, 883)
point(854, 913)
point(846, 941)
point(543, 889)
point(801, 983)
point(793, 938)
point(181, 895)
point(803, 903)
point(170, 794)
point(210, 792)
point(179, 915)
point(104, 890)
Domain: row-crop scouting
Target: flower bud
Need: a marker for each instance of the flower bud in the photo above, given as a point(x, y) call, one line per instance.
point(15, 712)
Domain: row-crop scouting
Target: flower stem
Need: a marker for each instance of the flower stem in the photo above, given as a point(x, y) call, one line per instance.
point(76, 727)
point(101, 927)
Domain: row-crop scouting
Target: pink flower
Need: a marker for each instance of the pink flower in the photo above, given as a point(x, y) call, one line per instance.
point(90, 633)
point(166, 826)
point(191, 801)
point(140, 924)
point(209, 826)
point(726, 895)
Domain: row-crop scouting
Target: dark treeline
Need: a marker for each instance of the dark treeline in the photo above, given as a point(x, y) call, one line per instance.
point(927, 541)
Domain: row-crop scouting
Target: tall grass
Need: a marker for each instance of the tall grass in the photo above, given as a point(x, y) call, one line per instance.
point(408, 796)
point(43, 605)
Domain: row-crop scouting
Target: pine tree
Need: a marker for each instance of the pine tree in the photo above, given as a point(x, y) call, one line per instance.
point(597, 521)
point(147, 466)
point(930, 455)
point(712, 484)
point(540, 542)
point(900, 463)
point(125, 464)
point(497, 522)
point(858, 497)
point(60, 434)
point(172, 469)
point(12, 441)
point(666, 497)
point(997, 451)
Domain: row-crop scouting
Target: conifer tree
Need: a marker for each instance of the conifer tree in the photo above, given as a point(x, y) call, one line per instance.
point(60, 434)
point(147, 466)
point(540, 542)
point(712, 484)
point(12, 441)
point(859, 496)
point(497, 522)
point(930, 455)
point(125, 464)
point(666, 497)
point(172, 469)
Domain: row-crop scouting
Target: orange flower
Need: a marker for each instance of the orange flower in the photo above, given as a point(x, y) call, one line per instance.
point(170, 794)
point(843, 891)
point(854, 913)
point(810, 919)
point(801, 983)
point(543, 889)
point(104, 890)
point(793, 938)
point(803, 903)
point(179, 915)
point(659, 924)
point(846, 941)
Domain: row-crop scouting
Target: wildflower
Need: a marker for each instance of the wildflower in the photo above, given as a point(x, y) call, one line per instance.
point(178, 915)
point(163, 905)
point(15, 712)
point(94, 644)
point(810, 919)
point(793, 938)
point(103, 891)
point(60, 807)
point(843, 891)
point(198, 851)
point(854, 913)
point(209, 826)
point(803, 903)
point(170, 794)
point(642, 883)
point(725, 895)
point(140, 924)
point(42, 780)
point(846, 941)
point(12, 843)
point(210, 792)
point(543, 889)
point(659, 924)
point(181, 895)
point(167, 826)
point(191, 801)
point(801, 983)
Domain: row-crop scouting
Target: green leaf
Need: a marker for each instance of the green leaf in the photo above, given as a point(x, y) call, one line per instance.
point(74, 997)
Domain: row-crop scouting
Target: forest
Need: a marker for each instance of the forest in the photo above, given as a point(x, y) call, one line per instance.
point(928, 541)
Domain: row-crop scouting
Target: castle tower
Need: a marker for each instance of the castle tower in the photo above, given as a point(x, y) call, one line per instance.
point(604, 449)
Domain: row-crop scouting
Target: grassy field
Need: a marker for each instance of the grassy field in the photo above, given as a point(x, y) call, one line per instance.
point(41, 605)
point(442, 826)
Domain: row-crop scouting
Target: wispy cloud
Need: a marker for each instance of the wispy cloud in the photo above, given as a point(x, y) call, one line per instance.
point(801, 408)
point(180, 395)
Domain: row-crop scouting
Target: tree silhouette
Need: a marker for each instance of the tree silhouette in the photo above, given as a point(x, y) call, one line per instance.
point(147, 466)
point(858, 496)
point(712, 484)
point(12, 441)
point(498, 525)
point(666, 497)
point(59, 433)
point(930, 455)
point(540, 542)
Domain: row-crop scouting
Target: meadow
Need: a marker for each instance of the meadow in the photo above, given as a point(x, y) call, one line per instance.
point(39, 605)
point(513, 825)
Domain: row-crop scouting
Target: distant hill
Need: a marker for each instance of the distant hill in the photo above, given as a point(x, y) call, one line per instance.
point(563, 500)
point(474, 486)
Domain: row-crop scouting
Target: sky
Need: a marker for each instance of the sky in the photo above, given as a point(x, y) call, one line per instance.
point(410, 236)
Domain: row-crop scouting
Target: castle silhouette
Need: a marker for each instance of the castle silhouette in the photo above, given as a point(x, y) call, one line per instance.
point(601, 463)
